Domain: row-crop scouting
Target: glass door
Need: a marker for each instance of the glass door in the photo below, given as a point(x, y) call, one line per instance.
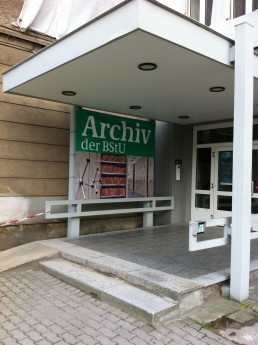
point(202, 197)
point(212, 197)
point(223, 181)
point(212, 172)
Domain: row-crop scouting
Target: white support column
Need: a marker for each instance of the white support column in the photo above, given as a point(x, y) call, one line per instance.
point(242, 163)
point(248, 6)
point(202, 11)
point(73, 228)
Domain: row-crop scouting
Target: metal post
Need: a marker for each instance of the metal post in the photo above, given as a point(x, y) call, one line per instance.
point(148, 216)
point(242, 163)
point(73, 228)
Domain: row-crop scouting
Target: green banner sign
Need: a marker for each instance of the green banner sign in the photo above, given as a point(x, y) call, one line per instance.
point(103, 133)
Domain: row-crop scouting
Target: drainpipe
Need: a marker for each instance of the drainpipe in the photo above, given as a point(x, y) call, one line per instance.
point(242, 162)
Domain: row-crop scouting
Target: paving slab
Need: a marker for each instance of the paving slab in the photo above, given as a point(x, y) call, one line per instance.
point(213, 278)
point(56, 244)
point(159, 281)
point(253, 303)
point(243, 336)
point(24, 254)
point(80, 254)
point(151, 308)
point(241, 316)
point(253, 292)
point(214, 310)
point(99, 261)
point(84, 278)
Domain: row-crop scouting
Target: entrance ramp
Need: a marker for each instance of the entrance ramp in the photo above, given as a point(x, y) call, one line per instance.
point(147, 293)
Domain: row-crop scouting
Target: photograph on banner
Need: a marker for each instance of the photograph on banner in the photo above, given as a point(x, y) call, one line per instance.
point(114, 156)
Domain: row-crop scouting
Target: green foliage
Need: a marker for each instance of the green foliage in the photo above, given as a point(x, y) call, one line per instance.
point(203, 324)
point(246, 304)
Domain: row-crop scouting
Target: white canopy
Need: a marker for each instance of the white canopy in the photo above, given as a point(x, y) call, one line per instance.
point(104, 72)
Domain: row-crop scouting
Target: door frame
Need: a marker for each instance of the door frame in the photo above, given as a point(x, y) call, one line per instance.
point(212, 212)
point(216, 192)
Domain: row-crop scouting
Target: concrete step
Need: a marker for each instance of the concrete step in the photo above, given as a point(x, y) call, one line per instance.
point(188, 293)
point(158, 282)
point(143, 304)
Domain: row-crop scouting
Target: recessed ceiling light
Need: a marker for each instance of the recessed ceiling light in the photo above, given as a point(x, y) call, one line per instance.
point(68, 93)
point(147, 66)
point(135, 107)
point(217, 89)
point(183, 117)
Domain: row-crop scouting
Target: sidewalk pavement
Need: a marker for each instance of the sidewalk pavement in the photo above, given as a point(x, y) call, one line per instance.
point(36, 308)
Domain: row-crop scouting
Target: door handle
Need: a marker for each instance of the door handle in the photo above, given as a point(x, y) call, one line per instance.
point(252, 187)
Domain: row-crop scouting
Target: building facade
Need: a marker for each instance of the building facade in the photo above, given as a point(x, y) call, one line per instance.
point(36, 142)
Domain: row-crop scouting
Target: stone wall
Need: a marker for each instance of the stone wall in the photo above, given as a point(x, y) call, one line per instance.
point(15, 235)
point(34, 139)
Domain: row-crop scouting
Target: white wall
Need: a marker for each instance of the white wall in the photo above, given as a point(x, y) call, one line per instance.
point(174, 142)
point(20, 207)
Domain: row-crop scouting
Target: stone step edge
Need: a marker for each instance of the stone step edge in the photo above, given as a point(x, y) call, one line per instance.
point(151, 308)
point(158, 282)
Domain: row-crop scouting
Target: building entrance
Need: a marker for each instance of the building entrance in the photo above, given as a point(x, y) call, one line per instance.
point(212, 174)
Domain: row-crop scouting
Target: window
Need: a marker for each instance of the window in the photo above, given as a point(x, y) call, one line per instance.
point(239, 8)
point(211, 11)
point(208, 11)
point(195, 9)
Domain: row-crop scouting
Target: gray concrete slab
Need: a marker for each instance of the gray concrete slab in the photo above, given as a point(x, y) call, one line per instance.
point(83, 277)
point(214, 310)
point(165, 248)
point(163, 282)
point(253, 292)
point(24, 254)
point(242, 316)
point(79, 254)
point(149, 278)
point(213, 278)
point(99, 261)
point(144, 304)
point(151, 308)
point(57, 244)
point(236, 322)
point(243, 336)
